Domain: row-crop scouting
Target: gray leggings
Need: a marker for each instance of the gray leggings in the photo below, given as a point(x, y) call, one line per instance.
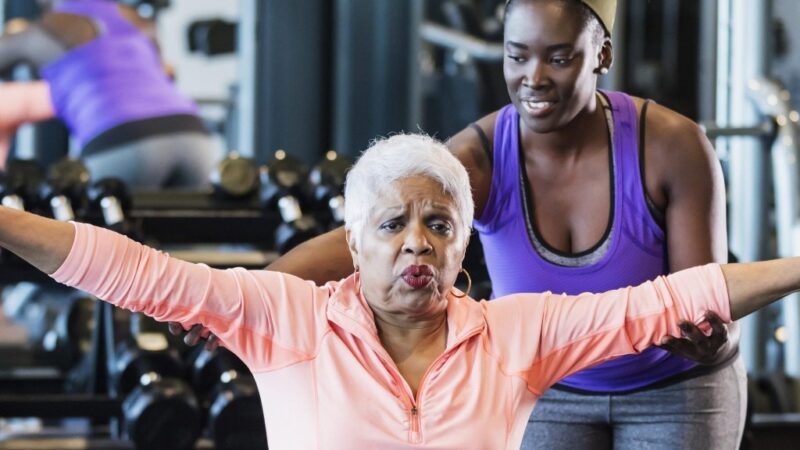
point(706, 412)
point(169, 160)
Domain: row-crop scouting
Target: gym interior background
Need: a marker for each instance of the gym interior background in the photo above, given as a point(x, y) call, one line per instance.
point(302, 87)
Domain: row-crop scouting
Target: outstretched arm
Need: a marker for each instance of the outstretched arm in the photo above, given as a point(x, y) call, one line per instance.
point(249, 310)
point(569, 333)
point(44, 243)
point(752, 286)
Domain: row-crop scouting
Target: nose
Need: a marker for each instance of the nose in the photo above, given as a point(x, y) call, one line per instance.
point(416, 241)
point(537, 77)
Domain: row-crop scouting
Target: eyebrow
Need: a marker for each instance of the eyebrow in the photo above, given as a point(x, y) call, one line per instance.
point(550, 48)
point(442, 209)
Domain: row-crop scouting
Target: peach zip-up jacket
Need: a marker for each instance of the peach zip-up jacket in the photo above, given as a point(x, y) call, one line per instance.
point(327, 383)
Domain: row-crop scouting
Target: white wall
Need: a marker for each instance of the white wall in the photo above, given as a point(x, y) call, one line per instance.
point(197, 76)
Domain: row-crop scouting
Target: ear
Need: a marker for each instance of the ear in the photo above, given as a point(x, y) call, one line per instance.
point(605, 57)
point(351, 245)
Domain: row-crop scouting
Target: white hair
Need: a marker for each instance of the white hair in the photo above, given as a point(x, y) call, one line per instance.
point(402, 156)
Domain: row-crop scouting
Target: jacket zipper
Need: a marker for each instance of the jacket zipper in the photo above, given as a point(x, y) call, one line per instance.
point(414, 437)
point(415, 432)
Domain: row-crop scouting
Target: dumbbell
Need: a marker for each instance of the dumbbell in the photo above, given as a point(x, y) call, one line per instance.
point(159, 408)
point(58, 319)
point(235, 419)
point(64, 189)
point(282, 188)
point(235, 176)
point(327, 179)
point(111, 197)
point(19, 185)
point(212, 37)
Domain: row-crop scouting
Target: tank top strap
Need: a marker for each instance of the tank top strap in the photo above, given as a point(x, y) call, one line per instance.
point(626, 151)
point(505, 170)
point(103, 12)
point(636, 213)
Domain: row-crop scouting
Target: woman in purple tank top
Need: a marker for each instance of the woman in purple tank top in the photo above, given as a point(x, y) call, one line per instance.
point(105, 81)
point(572, 195)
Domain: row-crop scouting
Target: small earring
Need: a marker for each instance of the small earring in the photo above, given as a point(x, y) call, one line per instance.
point(604, 71)
point(469, 284)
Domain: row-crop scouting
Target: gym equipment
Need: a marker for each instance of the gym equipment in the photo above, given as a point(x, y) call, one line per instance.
point(20, 184)
point(110, 196)
point(159, 408)
point(282, 189)
point(58, 320)
point(235, 176)
point(212, 37)
point(327, 179)
point(65, 188)
point(234, 417)
point(464, 78)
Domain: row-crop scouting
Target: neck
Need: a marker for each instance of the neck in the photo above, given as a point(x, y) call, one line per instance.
point(402, 337)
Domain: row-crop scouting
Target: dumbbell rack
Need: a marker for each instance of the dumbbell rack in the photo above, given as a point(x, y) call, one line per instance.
point(164, 217)
point(94, 403)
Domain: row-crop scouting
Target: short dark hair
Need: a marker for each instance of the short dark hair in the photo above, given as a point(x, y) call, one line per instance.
point(588, 19)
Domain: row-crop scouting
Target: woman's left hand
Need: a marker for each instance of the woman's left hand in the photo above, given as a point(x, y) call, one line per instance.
point(695, 345)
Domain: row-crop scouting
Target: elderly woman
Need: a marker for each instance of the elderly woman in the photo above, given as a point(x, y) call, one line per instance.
point(393, 356)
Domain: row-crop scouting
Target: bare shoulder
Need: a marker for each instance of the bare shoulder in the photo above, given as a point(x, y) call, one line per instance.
point(468, 146)
point(674, 144)
point(72, 30)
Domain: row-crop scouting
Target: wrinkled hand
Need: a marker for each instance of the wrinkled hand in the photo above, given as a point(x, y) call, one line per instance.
point(195, 334)
point(695, 345)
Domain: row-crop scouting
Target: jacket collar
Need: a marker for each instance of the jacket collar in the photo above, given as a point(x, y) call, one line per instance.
point(348, 309)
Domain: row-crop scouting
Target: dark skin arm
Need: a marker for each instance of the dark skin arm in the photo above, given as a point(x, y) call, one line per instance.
point(683, 178)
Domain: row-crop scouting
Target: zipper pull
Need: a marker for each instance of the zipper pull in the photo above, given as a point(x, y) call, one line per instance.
point(415, 437)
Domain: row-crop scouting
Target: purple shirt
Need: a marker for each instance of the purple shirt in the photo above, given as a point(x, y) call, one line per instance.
point(116, 78)
point(635, 248)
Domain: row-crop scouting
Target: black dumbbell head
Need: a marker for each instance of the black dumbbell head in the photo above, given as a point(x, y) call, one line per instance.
point(162, 414)
point(109, 187)
point(69, 177)
point(22, 177)
point(131, 362)
point(235, 416)
point(328, 176)
point(284, 175)
point(208, 366)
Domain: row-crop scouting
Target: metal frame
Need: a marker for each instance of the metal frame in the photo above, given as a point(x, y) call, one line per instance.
point(742, 37)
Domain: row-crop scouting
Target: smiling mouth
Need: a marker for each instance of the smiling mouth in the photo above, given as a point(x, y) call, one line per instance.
point(417, 276)
point(537, 108)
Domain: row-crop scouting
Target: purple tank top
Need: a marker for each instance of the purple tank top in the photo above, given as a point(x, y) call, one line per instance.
point(635, 249)
point(114, 79)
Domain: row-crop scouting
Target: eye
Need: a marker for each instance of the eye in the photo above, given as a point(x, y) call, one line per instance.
point(515, 58)
point(561, 60)
point(391, 225)
point(440, 226)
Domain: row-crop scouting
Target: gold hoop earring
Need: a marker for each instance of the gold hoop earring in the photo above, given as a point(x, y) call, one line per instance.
point(469, 284)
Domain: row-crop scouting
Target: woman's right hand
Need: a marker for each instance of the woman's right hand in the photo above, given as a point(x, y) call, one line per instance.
point(195, 334)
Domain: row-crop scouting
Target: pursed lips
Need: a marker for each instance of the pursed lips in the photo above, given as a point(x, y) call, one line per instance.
point(417, 276)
